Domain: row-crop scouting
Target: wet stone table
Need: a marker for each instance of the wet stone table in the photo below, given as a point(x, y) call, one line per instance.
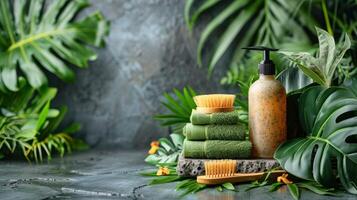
point(114, 174)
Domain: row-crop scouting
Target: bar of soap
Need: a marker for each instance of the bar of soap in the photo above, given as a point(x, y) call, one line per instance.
point(188, 167)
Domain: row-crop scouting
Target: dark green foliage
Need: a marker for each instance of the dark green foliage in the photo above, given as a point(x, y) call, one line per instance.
point(328, 117)
point(180, 106)
point(34, 36)
point(244, 23)
point(294, 191)
point(168, 151)
point(28, 125)
point(321, 69)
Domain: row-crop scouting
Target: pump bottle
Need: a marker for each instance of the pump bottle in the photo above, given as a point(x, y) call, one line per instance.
point(267, 109)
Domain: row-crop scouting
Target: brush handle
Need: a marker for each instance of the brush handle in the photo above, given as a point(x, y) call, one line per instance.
point(236, 178)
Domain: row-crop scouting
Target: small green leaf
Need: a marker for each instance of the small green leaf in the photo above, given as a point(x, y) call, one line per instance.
point(74, 127)
point(185, 184)
point(79, 145)
point(229, 186)
point(219, 188)
point(152, 159)
point(177, 139)
point(43, 116)
point(275, 186)
point(294, 191)
point(256, 184)
point(164, 179)
point(193, 189)
point(153, 173)
point(318, 189)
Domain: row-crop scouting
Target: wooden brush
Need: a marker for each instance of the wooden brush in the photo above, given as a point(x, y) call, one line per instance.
point(213, 103)
point(223, 171)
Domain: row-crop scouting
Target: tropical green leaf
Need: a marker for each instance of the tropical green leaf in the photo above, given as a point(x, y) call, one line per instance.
point(322, 68)
point(231, 33)
point(351, 84)
point(256, 184)
point(246, 23)
point(49, 37)
point(168, 151)
point(328, 116)
point(180, 106)
point(40, 100)
point(192, 188)
point(275, 186)
point(29, 125)
point(16, 101)
point(165, 179)
point(187, 10)
point(42, 116)
point(185, 183)
point(294, 191)
point(239, 72)
point(316, 188)
point(190, 21)
point(293, 79)
point(229, 186)
point(177, 139)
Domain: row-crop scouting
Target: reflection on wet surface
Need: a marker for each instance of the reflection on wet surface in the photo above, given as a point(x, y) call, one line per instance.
point(112, 174)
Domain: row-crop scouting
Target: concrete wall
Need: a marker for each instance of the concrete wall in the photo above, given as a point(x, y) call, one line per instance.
point(149, 51)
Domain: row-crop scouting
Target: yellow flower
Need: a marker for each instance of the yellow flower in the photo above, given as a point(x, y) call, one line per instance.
point(163, 171)
point(154, 147)
point(284, 179)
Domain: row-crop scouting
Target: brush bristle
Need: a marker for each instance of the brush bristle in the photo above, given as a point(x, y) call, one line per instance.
point(215, 100)
point(220, 168)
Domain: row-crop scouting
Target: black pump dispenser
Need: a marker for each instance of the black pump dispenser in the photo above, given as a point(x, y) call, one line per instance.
point(267, 66)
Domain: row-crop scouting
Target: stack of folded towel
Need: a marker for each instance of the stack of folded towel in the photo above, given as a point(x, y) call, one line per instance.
point(215, 136)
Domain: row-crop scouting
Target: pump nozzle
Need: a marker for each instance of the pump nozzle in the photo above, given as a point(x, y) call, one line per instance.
point(267, 66)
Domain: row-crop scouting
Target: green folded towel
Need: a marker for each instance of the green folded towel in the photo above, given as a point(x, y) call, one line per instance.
point(214, 132)
point(198, 118)
point(217, 149)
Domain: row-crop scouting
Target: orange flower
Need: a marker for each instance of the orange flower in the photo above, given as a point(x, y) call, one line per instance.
point(284, 179)
point(154, 147)
point(163, 171)
point(155, 143)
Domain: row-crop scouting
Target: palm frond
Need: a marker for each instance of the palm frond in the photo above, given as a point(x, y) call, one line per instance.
point(29, 126)
point(239, 22)
point(179, 106)
point(60, 142)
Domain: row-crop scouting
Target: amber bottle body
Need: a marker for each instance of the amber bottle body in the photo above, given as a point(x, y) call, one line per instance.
point(267, 116)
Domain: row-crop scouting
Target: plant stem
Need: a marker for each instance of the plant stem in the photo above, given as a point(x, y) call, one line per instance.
point(327, 20)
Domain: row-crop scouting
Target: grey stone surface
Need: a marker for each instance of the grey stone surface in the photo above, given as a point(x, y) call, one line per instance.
point(113, 174)
point(149, 51)
point(188, 167)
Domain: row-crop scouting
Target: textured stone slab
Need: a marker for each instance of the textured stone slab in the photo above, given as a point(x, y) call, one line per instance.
point(188, 167)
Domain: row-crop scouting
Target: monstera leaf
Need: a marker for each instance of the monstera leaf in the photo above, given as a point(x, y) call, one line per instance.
point(35, 36)
point(329, 117)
